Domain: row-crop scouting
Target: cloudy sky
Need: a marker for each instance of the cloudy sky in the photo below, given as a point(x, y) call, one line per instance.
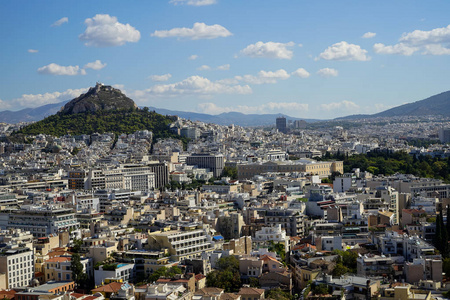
point(307, 59)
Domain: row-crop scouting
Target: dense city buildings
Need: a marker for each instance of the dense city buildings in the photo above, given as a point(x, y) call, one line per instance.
point(153, 220)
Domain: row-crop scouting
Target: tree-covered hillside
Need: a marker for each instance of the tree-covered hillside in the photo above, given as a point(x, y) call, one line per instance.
point(119, 121)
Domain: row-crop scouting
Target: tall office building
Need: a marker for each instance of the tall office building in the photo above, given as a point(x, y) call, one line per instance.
point(281, 124)
point(444, 135)
point(213, 162)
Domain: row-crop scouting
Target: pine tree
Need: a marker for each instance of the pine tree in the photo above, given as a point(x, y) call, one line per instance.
point(448, 219)
point(78, 274)
point(444, 238)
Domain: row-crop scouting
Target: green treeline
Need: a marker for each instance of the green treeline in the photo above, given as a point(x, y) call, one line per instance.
point(387, 163)
point(101, 121)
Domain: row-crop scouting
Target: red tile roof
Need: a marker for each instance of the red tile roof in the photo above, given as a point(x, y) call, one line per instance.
point(199, 277)
point(112, 287)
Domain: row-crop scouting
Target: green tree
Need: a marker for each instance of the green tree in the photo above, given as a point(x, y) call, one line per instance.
point(78, 274)
point(77, 245)
point(340, 269)
point(348, 259)
point(448, 220)
point(164, 272)
point(254, 282)
point(278, 294)
point(226, 276)
point(279, 249)
point(320, 289)
point(446, 266)
point(230, 172)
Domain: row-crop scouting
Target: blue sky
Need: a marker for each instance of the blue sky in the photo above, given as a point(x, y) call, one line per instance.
point(307, 59)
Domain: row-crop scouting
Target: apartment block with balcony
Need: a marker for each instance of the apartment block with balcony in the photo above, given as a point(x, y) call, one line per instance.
point(374, 265)
point(45, 220)
point(290, 220)
point(182, 244)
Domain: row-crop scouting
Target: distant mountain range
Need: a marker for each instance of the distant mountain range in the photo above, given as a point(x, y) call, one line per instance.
point(229, 118)
point(435, 105)
point(30, 114)
point(240, 119)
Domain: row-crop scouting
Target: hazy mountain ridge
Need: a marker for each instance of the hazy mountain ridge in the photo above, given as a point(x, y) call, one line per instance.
point(229, 118)
point(435, 105)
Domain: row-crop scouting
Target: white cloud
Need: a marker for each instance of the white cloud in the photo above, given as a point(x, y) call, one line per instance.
point(432, 42)
point(4, 105)
point(264, 77)
point(400, 48)
point(54, 69)
point(343, 105)
point(60, 22)
point(119, 86)
point(96, 65)
point(33, 51)
point(204, 68)
point(369, 35)
point(269, 50)
point(300, 72)
point(35, 100)
point(328, 72)
point(420, 37)
point(193, 57)
point(225, 67)
point(164, 77)
point(194, 85)
point(197, 32)
point(193, 2)
point(436, 49)
point(344, 51)
point(106, 31)
point(270, 107)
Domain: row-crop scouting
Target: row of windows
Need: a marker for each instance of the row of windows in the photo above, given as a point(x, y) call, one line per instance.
point(21, 259)
point(16, 280)
point(14, 266)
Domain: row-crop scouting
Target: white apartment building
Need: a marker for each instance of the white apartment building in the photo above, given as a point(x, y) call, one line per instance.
point(329, 243)
point(274, 233)
point(113, 179)
point(18, 265)
point(45, 220)
point(182, 244)
point(106, 197)
point(410, 247)
point(138, 177)
point(84, 202)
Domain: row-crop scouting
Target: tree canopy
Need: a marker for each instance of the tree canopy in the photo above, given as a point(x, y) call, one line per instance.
point(388, 163)
point(101, 121)
point(226, 276)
